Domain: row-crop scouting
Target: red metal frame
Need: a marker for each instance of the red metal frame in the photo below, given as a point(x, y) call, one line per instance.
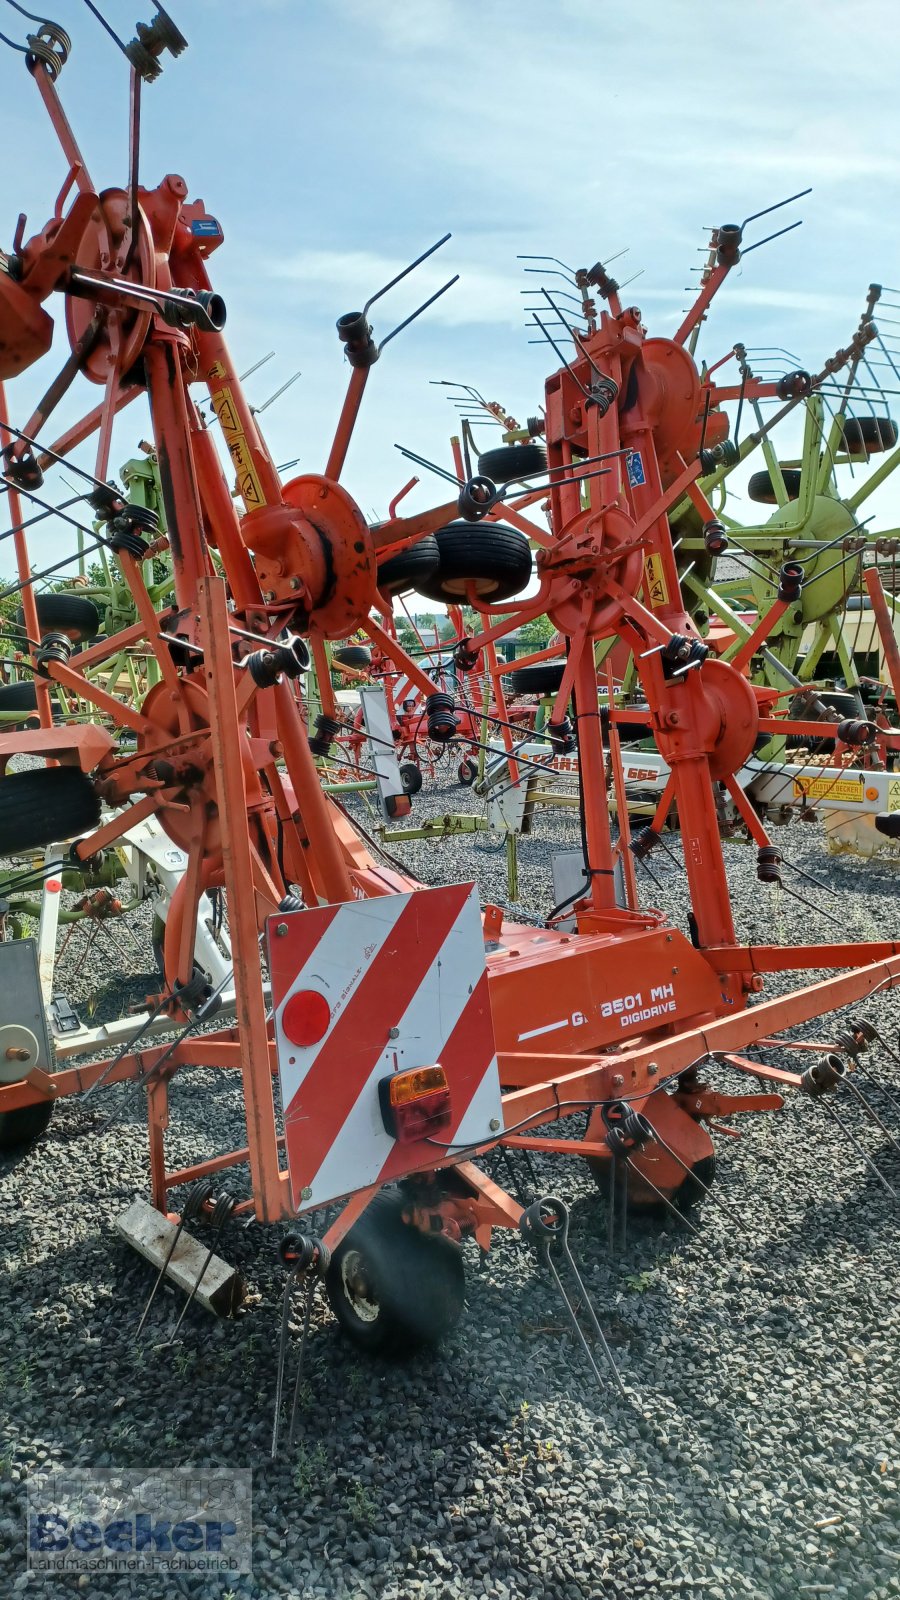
point(226, 765)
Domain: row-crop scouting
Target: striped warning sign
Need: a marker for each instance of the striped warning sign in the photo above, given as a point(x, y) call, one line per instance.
point(366, 990)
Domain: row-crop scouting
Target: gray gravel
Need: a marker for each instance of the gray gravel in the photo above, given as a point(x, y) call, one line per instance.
point(761, 1358)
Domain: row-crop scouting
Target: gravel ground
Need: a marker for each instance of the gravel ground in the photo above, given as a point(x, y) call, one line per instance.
point(757, 1454)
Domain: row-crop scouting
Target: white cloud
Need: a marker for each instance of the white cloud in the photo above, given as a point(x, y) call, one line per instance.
point(348, 277)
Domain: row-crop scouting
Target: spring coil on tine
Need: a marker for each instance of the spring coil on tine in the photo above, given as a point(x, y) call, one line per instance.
point(562, 737)
point(768, 864)
point(863, 1030)
point(851, 1041)
point(545, 1224)
point(327, 730)
point(823, 1076)
point(442, 719)
point(871, 1036)
point(626, 1131)
point(626, 1128)
point(855, 1040)
point(821, 1079)
point(642, 842)
point(715, 538)
point(476, 498)
point(50, 47)
point(308, 1258)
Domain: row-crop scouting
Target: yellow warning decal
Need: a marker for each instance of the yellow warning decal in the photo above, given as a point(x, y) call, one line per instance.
point(249, 486)
point(830, 789)
point(655, 580)
point(894, 794)
point(217, 370)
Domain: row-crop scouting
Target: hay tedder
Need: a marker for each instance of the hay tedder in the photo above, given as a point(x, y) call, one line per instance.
point(406, 1031)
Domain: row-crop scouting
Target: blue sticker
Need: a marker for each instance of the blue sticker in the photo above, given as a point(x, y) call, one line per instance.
point(204, 226)
point(635, 466)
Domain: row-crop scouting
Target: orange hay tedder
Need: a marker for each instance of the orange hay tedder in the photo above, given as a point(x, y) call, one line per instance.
point(410, 1030)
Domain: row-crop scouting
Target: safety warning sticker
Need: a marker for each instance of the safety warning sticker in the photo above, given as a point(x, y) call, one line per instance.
point(655, 580)
point(249, 485)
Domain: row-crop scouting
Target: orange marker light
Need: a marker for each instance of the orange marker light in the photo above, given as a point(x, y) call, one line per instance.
point(415, 1104)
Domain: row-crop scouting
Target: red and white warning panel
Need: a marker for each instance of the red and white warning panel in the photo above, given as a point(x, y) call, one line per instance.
point(385, 1043)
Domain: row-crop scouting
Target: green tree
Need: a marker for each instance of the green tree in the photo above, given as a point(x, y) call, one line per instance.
point(537, 633)
point(10, 605)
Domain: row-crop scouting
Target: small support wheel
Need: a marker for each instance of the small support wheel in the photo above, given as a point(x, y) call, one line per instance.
point(496, 559)
point(511, 461)
point(467, 772)
point(24, 1125)
point(44, 805)
point(18, 704)
point(761, 489)
point(410, 777)
point(402, 572)
point(391, 1287)
point(869, 435)
point(353, 655)
point(72, 614)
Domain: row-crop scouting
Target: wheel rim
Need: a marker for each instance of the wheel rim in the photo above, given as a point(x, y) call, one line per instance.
point(357, 1287)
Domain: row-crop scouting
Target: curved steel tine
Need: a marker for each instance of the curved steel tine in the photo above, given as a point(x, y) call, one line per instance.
point(310, 1294)
point(223, 1208)
point(194, 1203)
point(851, 1139)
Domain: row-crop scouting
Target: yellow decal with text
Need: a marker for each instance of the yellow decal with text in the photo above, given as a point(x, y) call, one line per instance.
point(829, 789)
point(249, 486)
point(655, 580)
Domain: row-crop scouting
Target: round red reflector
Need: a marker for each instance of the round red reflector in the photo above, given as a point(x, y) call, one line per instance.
point(53, 886)
point(306, 1017)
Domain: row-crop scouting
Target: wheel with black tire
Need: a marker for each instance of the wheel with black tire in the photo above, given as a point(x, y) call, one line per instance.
point(495, 559)
point(839, 704)
point(409, 568)
point(842, 703)
point(352, 655)
point(43, 806)
point(18, 703)
point(544, 677)
point(158, 944)
point(868, 435)
point(467, 772)
point(391, 1287)
point(760, 486)
point(410, 777)
point(73, 614)
point(512, 461)
point(24, 1125)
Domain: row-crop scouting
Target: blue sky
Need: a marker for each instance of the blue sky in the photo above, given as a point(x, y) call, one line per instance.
point(336, 139)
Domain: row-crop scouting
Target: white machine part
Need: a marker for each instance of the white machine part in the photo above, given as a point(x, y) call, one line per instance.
point(510, 805)
point(379, 752)
point(154, 867)
point(152, 859)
